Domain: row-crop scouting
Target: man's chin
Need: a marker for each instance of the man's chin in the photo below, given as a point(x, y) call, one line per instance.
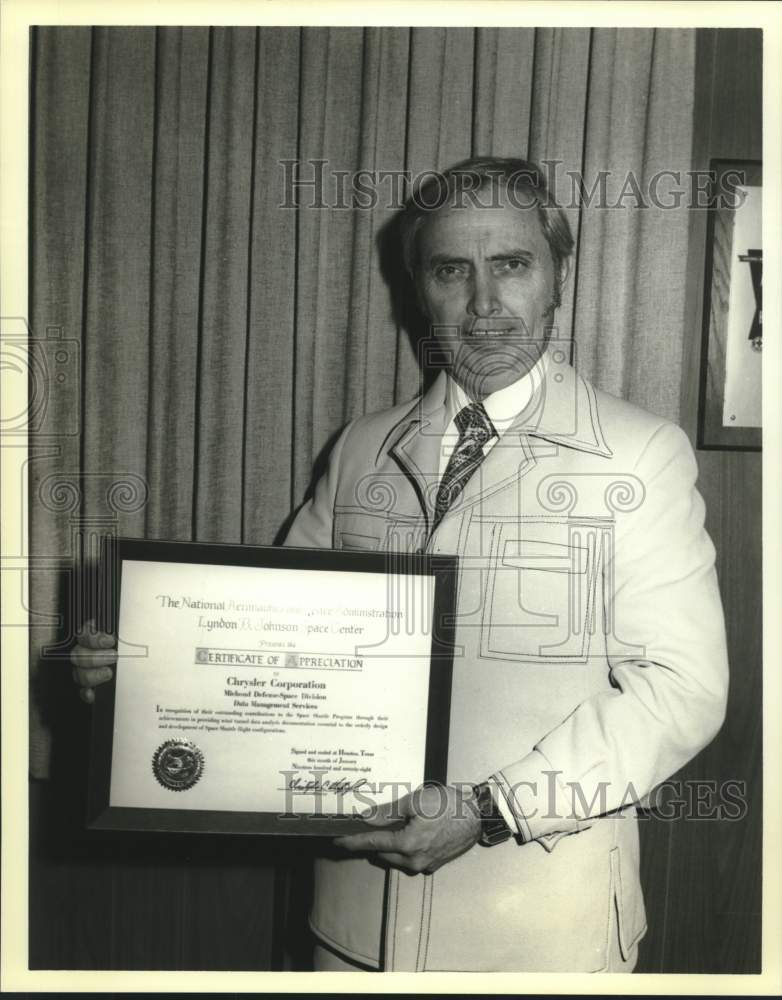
point(478, 387)
point(480, 381)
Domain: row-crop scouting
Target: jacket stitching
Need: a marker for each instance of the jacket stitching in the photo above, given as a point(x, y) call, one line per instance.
point(424, 894)
point(624, 944)
point(494, 564)
point(611, 902)
point(350, 952)
point(395, 878)
point(429, 923)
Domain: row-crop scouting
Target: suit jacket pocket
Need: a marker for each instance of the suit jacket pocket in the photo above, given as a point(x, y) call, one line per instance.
point(356, 529)
point(539, 601)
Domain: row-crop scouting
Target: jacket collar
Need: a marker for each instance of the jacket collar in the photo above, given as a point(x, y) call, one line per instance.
point(562, 411)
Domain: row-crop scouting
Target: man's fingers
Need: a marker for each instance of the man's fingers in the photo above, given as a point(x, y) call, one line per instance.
point(89, 677)
point(89, 659)
point(395, 860)
point(413, 864)
point(376, 840)
point(87, 631)
point(89, 636)
point(386, 813)
point(92, 658)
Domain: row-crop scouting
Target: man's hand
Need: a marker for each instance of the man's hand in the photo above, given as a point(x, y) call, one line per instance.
point(442, 823)
point(92, 657)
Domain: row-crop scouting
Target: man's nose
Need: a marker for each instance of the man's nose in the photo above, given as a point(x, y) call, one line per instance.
point(484, 300)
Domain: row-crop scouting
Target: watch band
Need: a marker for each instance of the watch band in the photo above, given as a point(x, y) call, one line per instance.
point(494, 829)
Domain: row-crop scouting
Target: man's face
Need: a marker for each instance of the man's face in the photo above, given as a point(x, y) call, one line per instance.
point(486, 275)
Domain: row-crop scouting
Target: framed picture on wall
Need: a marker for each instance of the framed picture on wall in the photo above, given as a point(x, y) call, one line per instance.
point(730, 399)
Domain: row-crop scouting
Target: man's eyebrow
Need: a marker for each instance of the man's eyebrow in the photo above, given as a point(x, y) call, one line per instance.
point(513, 252)
point(447, 258)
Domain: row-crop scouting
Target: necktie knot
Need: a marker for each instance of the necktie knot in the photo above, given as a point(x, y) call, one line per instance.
point(473, 421)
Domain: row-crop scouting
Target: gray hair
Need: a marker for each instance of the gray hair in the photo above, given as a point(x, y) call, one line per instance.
point(459, 185)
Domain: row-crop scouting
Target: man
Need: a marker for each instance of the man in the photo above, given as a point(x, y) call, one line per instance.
point(592, 658)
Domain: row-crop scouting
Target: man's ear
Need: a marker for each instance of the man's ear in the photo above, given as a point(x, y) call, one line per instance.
point(564, 272)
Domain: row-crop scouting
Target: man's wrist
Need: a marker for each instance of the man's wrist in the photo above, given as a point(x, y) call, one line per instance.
point(504, 806)
point(494, 825)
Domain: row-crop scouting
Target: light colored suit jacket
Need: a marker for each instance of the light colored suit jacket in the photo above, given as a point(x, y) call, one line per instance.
point(592, 667)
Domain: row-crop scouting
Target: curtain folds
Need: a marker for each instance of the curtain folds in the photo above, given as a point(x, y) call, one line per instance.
point(218, 335)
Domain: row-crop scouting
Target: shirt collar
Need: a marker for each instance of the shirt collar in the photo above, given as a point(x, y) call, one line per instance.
point(502, 406)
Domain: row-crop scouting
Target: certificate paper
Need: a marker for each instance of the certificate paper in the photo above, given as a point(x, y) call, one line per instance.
point(275, 692)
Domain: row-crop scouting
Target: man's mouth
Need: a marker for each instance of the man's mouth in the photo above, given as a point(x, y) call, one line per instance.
point(496, 331)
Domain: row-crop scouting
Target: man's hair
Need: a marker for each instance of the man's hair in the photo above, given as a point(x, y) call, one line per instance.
point(468, 183)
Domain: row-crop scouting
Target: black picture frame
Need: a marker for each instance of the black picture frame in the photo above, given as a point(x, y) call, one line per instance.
point(713, 435)
point(101, 815)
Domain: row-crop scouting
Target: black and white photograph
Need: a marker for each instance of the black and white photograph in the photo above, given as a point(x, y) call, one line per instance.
point(387, 443)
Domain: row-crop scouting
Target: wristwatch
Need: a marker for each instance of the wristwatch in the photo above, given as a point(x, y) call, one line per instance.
point(494, 829)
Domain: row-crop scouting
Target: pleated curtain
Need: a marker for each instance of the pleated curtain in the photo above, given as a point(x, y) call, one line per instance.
point(217, 336)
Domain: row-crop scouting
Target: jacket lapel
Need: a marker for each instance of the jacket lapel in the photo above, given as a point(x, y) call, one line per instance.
point(414, 448)
point(511, 458)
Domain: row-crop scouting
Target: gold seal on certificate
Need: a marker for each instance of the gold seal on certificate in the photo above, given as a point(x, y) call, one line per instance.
point(275, 690)
point(177, 764)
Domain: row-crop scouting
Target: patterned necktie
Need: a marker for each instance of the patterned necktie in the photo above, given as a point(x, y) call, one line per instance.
point(475, 429)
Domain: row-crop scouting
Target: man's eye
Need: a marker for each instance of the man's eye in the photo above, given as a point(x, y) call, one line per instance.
point(513, 264)
point(449, 272)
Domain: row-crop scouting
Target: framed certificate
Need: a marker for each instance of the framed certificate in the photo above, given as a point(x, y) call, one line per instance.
point(269, 690)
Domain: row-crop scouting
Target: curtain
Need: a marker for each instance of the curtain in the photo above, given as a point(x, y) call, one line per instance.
point(216, 337)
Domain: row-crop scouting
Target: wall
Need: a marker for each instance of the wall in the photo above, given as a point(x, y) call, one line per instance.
point(702, 878)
